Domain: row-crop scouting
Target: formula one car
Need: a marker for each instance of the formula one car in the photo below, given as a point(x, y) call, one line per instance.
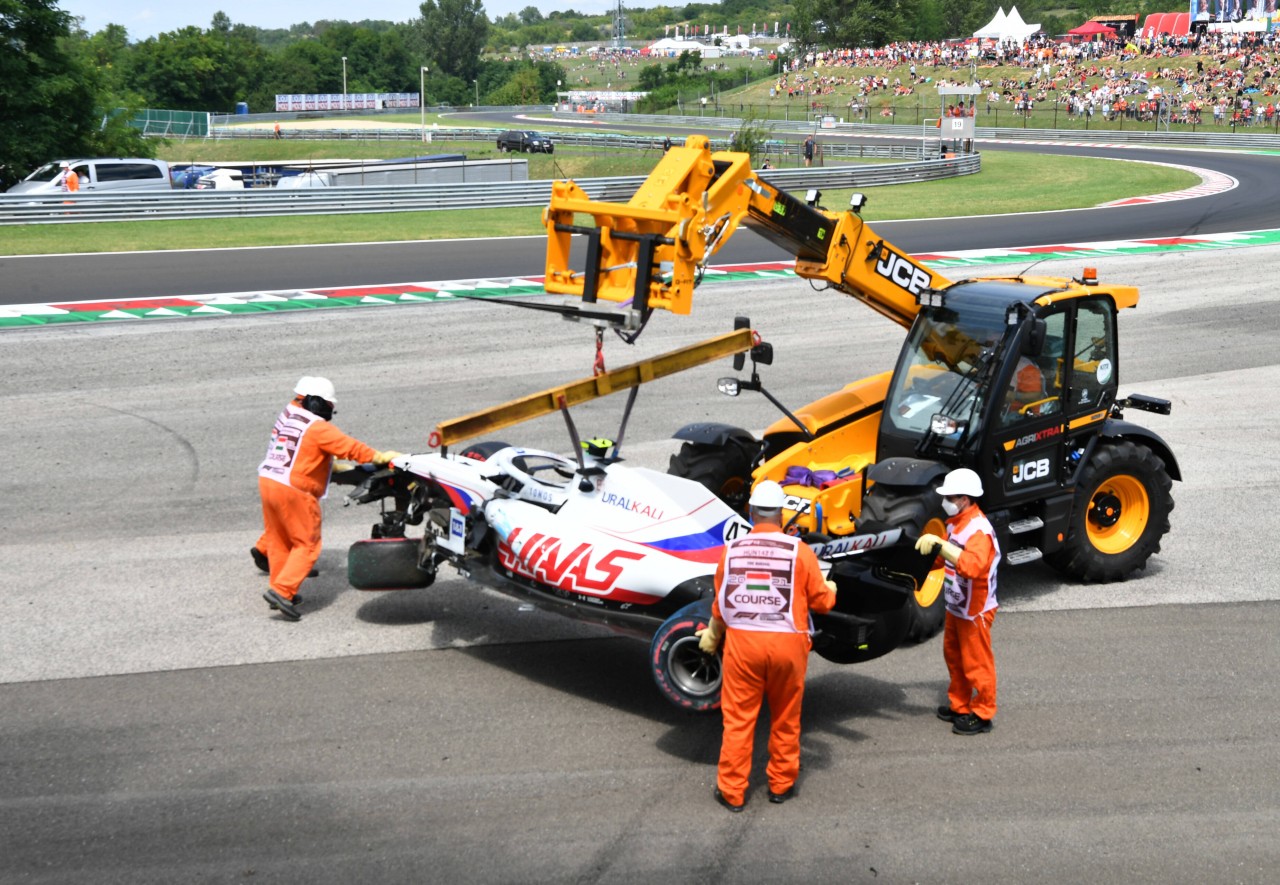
point(626, 547)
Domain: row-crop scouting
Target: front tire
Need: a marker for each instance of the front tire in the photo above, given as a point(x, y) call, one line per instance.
point(686, 676)
point(724, 469)
point(1121, 511)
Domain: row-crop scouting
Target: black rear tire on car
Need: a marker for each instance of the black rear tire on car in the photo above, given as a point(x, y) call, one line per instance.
point(387, 564)
point(686, 676)
point(1120, 513)
point(724, 469)
point(483, 451)
point(915, 511)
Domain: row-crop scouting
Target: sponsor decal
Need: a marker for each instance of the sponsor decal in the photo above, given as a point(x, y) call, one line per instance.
point(796, 503)
point(536, 493)
point(1037, 437)
point(856, 544)
point(1028, 471)
point(1104, 371)
point(631, 505)
point(551, 561)
point(901, 271)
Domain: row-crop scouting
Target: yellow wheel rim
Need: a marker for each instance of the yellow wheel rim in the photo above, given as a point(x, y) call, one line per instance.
point(1118, 513)
point(932, 585)
point(929, 590)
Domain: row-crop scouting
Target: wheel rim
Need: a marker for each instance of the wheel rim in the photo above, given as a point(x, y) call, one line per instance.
point(931, 586)
point(1118, 513)
point(695, 673)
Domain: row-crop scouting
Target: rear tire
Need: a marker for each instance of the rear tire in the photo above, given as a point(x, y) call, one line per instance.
point(1120, 513)
point(724, 469)
point(916, 512)
point(686, 676)
point(387, 564)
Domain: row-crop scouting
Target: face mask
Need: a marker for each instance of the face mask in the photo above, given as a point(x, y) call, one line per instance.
point(951, 508)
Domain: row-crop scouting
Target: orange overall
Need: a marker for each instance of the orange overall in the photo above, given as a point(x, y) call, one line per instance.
point(767, 583)
point(292, 479)
point(970, 591)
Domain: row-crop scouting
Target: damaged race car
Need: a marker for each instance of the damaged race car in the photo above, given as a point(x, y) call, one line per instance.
point(590, 537)
point(627, 547)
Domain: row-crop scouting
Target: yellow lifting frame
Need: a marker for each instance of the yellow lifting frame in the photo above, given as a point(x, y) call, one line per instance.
point(554, 399)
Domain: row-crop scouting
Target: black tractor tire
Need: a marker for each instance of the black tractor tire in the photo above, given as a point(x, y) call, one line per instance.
point(387, 564)
point(686, 676)
point(1121, 511)
point(724, 469)
point(483, 451)
point(915, 511)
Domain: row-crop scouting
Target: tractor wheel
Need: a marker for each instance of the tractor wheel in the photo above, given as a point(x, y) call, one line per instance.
point(686, 676)
point(724, 469)
point(1120, 513)
point(916, 512)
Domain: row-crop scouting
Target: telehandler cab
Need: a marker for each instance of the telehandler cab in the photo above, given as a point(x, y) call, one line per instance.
point(1016, 377)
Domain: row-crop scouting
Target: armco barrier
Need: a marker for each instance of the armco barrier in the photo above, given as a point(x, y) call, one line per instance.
point(164, 205)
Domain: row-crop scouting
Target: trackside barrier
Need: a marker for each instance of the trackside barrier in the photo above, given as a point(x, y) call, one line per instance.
point(1241, 138)
point(257, 202)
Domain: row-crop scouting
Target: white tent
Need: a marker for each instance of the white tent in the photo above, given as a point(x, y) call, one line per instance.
point(1009, 27)
point(994, 28)
point(668, 44)
point(1015, 28)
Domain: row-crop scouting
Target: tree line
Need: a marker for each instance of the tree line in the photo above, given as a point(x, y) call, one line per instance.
point(64, 91)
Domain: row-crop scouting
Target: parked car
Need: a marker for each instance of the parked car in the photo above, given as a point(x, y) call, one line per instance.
point(525, 141)
point(99, 175)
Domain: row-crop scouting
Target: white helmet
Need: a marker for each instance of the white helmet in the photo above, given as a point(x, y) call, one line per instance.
point(767, 495)
point(961, 481)
point(309, 385)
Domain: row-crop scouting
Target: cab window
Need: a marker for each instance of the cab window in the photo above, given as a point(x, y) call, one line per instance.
point(1093, 364)
point(1035, 389)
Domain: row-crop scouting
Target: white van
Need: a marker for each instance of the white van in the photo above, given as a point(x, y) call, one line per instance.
point(98, 176)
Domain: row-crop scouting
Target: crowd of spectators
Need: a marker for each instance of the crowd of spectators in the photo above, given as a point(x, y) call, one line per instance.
point(1210, 77)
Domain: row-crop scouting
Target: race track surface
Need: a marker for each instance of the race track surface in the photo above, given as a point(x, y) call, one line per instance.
point(160, 725)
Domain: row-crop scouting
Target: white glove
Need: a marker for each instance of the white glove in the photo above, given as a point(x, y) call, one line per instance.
point(709, 636)
point(929, 542)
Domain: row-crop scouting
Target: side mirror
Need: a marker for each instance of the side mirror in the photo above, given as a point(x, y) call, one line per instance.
point(729, 386)
point(762, 353)
point(740, 359)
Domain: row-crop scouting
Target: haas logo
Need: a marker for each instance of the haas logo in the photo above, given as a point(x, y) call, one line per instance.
point(899, 270)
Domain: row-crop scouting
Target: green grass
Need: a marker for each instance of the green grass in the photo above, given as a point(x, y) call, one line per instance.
point(1009, 182)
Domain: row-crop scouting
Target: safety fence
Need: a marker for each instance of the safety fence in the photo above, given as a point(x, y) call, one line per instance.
point(1243, 137)
point(773, 147)
point(255, 202)
point(171, 124)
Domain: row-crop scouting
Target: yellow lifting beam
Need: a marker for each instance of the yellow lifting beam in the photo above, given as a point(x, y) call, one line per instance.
point(553, 399)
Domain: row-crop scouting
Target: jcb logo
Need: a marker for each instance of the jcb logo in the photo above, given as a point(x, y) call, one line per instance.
point(899, 270)
point(1030, 470)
